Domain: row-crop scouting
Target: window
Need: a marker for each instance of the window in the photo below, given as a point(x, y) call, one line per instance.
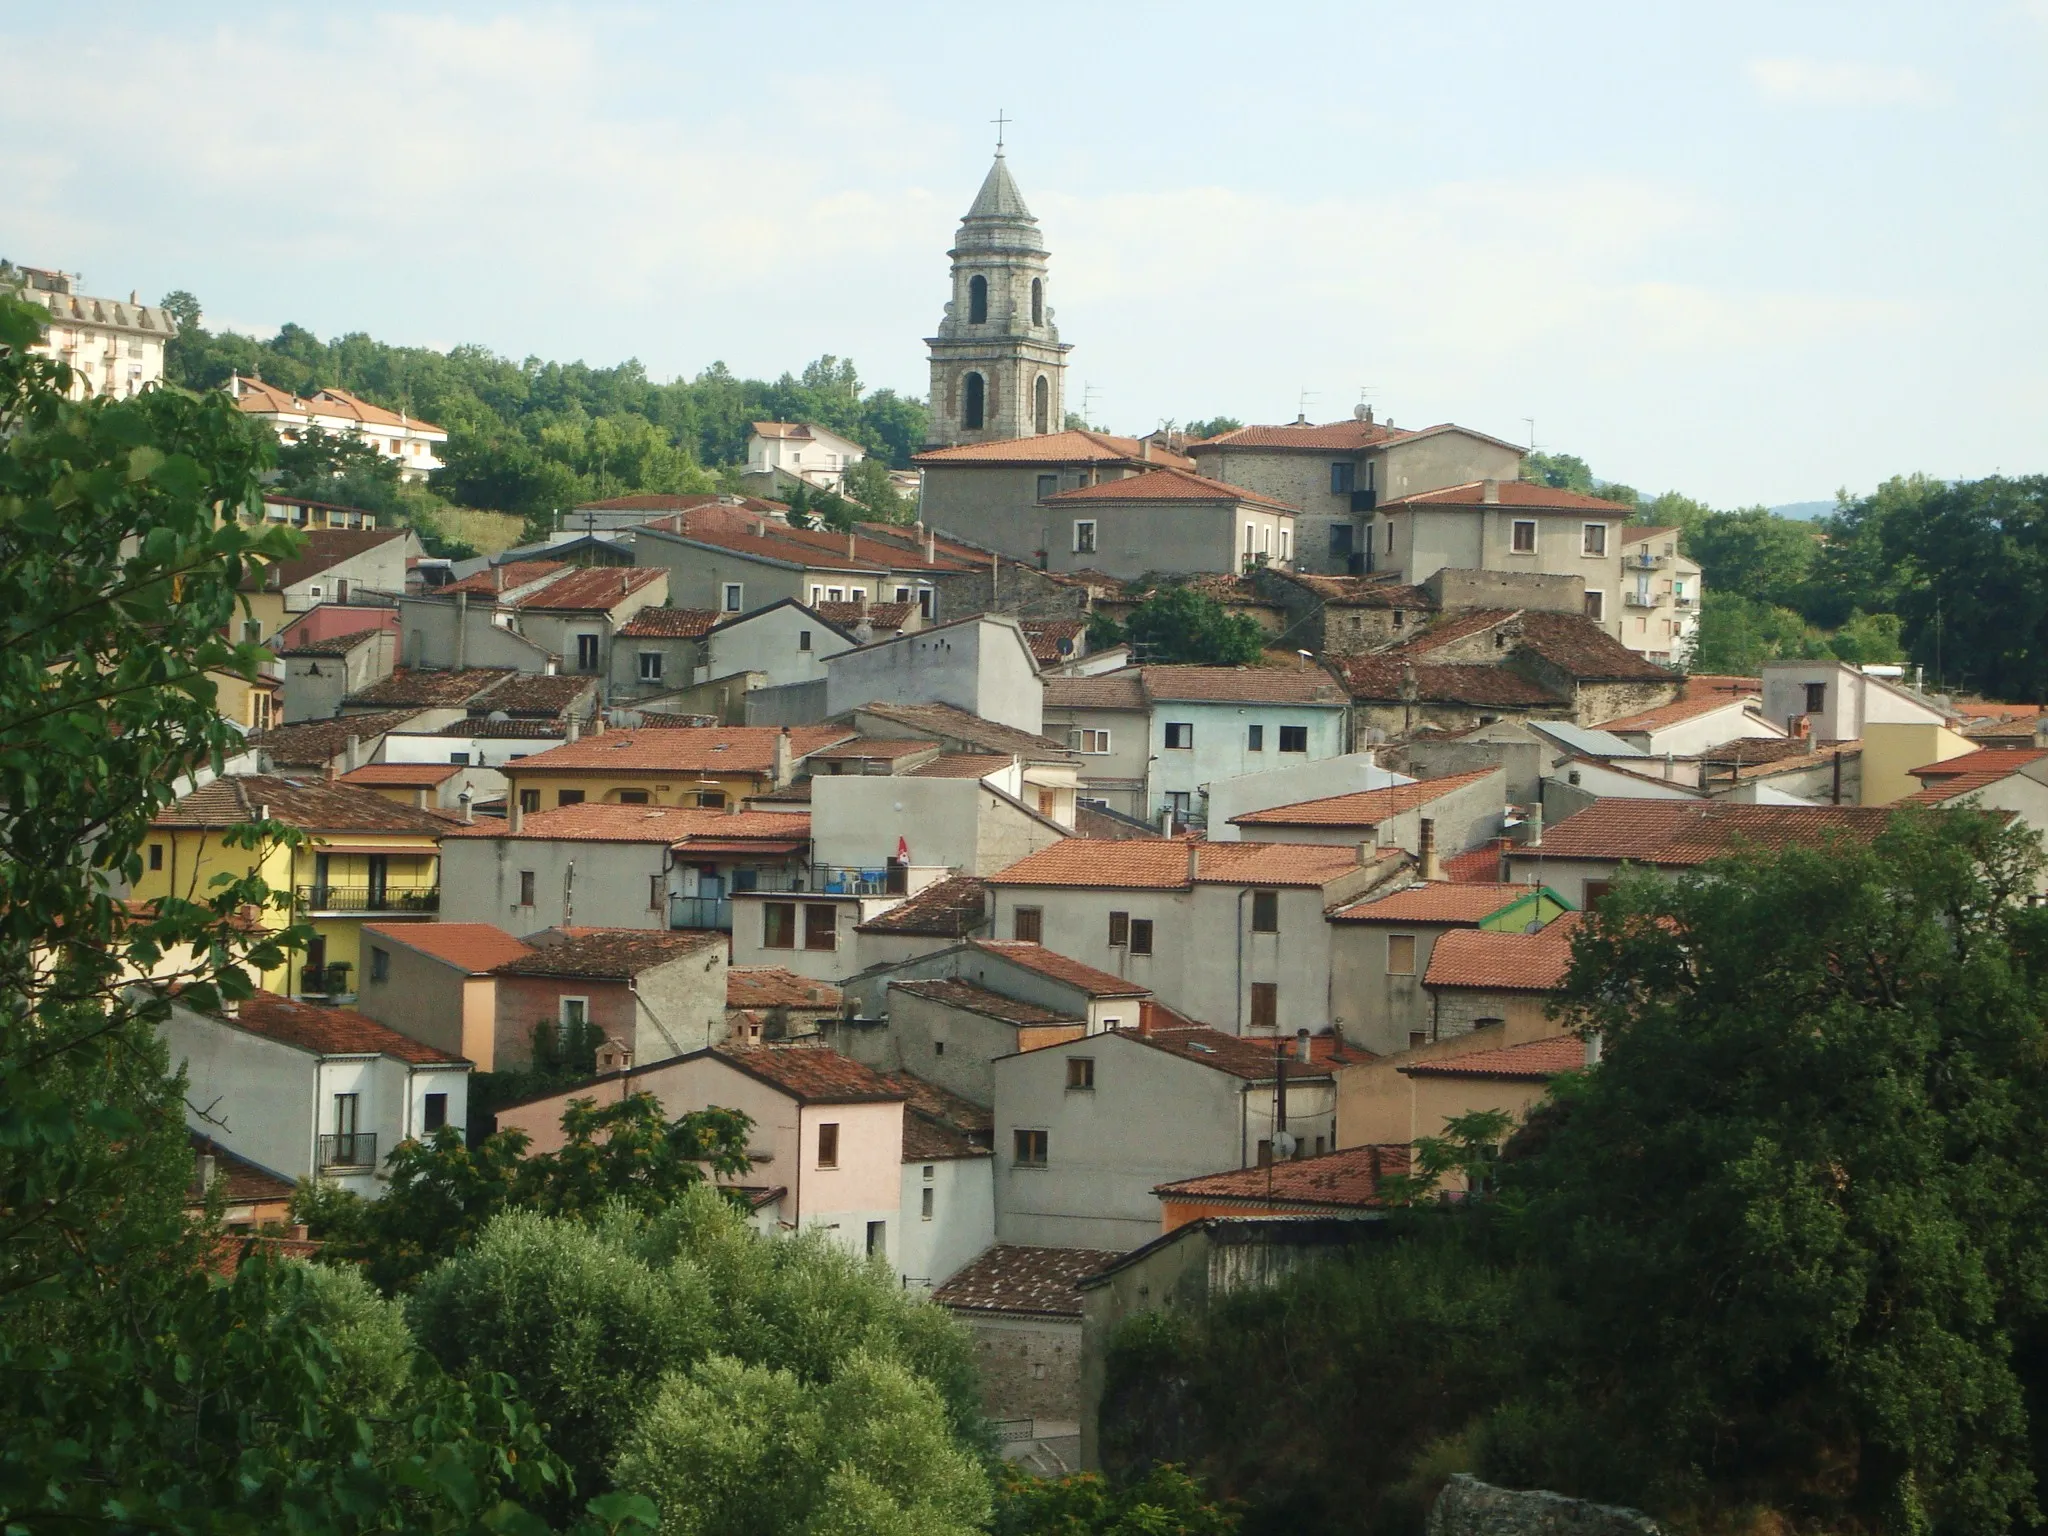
point(1816, 698)
point(1119, 930)
point(1048, 802)
point(1084, 538)
point(1343, 476)
point(1400, 954)
point(650, 666)
point(1048, 485)
point(1523, 541)
point(859, 595)
point(1248, 534)
point(1141, 935)
point(878, 1238)
point(977, 300)
point(654, 893)
point(1255, 738)
point(1265, 1005)
point(711, 799)
point(1596, 890)
point(1341, 535)
point(156, 855)
point(575, 1012)
point(1596, 605)
point(1081, 1074)
point(1594, 539)
point(526, 887)
point(1293, 738)
point(632, 797)
point(1265, 911)
point(1112, 1023)
point(435, 1113)
point(1041, 405)
point(903, 594)
point(1286, 545)
point(568, 797)
point(252, 631)
point(828, 1144)
point(821, 925)
point(835, 594)
point(817, 596)
point(529, 800)
point(1092, 743)
point(803, 639)
point(459, 759)
point(1027, 925)
point(734, 591)
point(380, 964)
point(925, 609)
point(778, 925)
point(586, 653)
point(1180, 735)
point(1390, 538)
point(1400, 618)
point(972, 400)
point(925, 1207)
point(1031, 1149)
point(1489, 1023)
point(1038, 305)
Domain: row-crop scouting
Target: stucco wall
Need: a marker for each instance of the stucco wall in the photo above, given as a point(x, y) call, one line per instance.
point(429, 1000)
point(314, 686)
point(480, 883)
point(260, 1096)
point(772, 642)
point(929, 1251)
point(749, 932)
point(1222, 747)
point(1168, 538)
point(1377, 1010)
point(983, 668)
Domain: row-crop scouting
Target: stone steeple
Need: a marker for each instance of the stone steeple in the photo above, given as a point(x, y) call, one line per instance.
point(998, 364)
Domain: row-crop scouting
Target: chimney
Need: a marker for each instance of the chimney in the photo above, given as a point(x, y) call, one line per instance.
point(732, 806)
point(497, 578)
point(1166, 821)
point(352, 752)
point(1368, 853)
point(1194, 860)
point(1489, 492)
point(849, 543)
point(2041, 730)
point(1533, 837)
point(931, 547)
point(461, 631)
point(467, 802)
point(328, 771)
point(575, 726)
point(1279, 1097)
point(206, 1170)
point(1432, 867)
point(513, 815)
point(1145, 449)
point(1303, 1053)
point(783, 763)
point(760, 527)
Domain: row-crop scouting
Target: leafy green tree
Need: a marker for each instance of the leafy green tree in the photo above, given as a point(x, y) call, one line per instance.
point(1755, 554)
point(1165, 1499)
point(1560, 471)
point(1215, 426)
point(1737, 635)
point(1181, 624)
point(868, 483)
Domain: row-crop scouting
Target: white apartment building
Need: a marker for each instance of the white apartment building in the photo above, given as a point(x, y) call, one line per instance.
point(1660, 595)
point(394, 434)
point(796, 450)
point(115, 348)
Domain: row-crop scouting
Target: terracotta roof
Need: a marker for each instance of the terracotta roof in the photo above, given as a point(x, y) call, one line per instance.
point(1690, 704)
point(332, 1031)
point(720, 749)
point(400, 775)
point(1340, 436)
point(1345, 1180)
point(537, 695)
point(1061, 968)
point(324, 549)
point(879, 749)
point(1254, 1058)
point(1969, 773)
point(962, 765)
point(1479, 866)
point(1365, 807)
point(1993, 729)
point(1167, 485)
point(609, 953)
point(1521, 495)
point(500, 579)
point(781, 428)
point(1142, 864)
point(239, 1180)
point(770, 986)
point(671, 825)
point(312, 805)
point(1381, 679)
point(669, 623)
point(1045, 636)
point(1678, 833)
point(1123, 689)
point(316, 743)
point(811, 1074)
point(1635, 535)
point(993, 1005)
point(1539, 1059)
point(662, 501)
point(589, 589)
point(423, 689)
point(341, 402)
point(882, 618)
point(1503, 962)
point(748, 533)
point(1992, 709)
point(1361, 591)
point(1073, 447)
point(336, 645)
point(944, 1105)
point(478, 948)
point(1012, 1278)
point(951, 909)
point(949, 724)
point(1436, 901)
point(1584, 650)
point(926, 1140)
point(1230, 685)
point(1756, 757)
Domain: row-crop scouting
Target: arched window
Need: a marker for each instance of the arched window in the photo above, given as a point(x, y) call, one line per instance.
point(977, 300)
point(1041, 403)
point(971, 400)
point(1037, 301)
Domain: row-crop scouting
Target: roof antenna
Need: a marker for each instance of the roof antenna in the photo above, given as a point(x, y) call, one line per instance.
point(1308, 397)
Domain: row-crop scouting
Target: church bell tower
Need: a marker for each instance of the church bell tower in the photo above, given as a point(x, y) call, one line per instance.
point(999, 368)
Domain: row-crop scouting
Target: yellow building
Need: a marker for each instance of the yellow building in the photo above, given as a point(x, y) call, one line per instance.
point(1893, 749)
point(709, 766)
point(364, 858)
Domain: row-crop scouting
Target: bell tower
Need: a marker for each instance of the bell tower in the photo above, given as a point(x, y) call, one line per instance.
point(999, 368)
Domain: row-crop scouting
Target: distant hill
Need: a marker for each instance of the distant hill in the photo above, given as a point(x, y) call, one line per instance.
point(1808, 511)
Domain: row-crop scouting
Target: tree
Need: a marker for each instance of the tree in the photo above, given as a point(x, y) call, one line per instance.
point(1754, 553)
point(868, 483)
point(1165, 1499)
point(1215, 426)
point(1180, 624)
point(1560, 471)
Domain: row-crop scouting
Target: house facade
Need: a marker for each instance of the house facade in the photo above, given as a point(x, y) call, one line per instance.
point(412, 444)
point(703, 766)
point(650, 994)
point(1209, 723)
point(114, 349)
point(785, 454)
point(1167, 521)
point(434, 983)
point(1660, 595)
point(982, 665)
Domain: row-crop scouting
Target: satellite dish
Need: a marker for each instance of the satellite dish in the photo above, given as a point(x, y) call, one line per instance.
point(1065, 647)
point(1284, 1144)
point(498, 715)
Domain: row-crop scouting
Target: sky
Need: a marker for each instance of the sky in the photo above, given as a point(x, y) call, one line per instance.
point(1755, 252)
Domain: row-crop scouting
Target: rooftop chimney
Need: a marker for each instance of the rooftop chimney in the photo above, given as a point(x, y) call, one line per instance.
point(1194, 860)
point(1145, 449)
point(575, 726)
point(1489, 492)
point(931, 547)
point(1303, 1053)
point(1432, 867)
point(352, 752)
point(783, 764)
point(513, 815)
point(849, 543)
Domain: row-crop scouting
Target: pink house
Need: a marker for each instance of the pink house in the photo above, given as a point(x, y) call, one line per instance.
point(828, 1132)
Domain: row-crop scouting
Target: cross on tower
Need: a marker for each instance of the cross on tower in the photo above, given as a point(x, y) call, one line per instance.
point(1000, 121)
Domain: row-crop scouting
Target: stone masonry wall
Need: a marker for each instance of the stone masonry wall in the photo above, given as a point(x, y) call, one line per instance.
point(1468, 1507)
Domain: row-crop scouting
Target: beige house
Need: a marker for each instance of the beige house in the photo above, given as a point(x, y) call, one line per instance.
point(113, 348)
point(1660, 595)
point(1165, 521)
point(1417, 1094)
point(434, 982)
point(994, 494)
point(783, 454)
point(397, 435)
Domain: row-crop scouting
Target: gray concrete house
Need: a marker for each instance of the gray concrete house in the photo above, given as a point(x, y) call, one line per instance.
point(1165, 521)
point(319, 674)
point(1107, 723)
point(542, 616)
point(982, 665)
point(1344, 615)
point(935, 918)
point(651, 995)
point(434, 982)
point(993, 494)
point(659, 650)
point(1429, 818)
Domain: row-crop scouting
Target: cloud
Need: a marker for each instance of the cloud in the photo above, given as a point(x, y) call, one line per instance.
point(1843, 83)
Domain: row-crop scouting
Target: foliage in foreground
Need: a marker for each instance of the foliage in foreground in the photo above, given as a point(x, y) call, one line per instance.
point(1179, 624)
point(1164, 1501)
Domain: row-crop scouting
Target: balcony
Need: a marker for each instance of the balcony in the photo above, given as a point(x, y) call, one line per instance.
point(1364, 501)
point(1639, 599)
point(1683, 599)
point(1643, 560)
point(700, 912)
point(347, 1150)
point(369, 898)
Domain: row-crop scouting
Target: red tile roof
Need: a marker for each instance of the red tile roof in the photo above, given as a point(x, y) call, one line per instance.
point(1344, 1180)
point(953, 726)
point(1362, 591)
point(1123, 689)
point(324, 549)
point(421, 689)
point(1074, 447)
point(1144, 864)
point(1540, 1059)
point(1691, 703)
point(1339, 436)
point(879, 749)
point(942, 1104)
point(952, 908)
point(478, 948)
point(1167, 485)
point(589, 589)
point(316, 743)
point(1039, 1282)
point(1503, 962)
point(1381, 679)
point(239, 1180)
point(1969, 773)
point(701, 749)
point(1045, 636)
point(1582, 649)
point(811, 1074)
point(335, 645)
point(1231, 685)
point(670, 623)
point(400, 775)
point(1481, 866)
point(954, 993)
point(961, 765)
point(770, 986)
point(883, 618)
point(1521, 495)
point(671, 825)
point(1678, 833)
point(312, 805)
point(665, 502)
point(1255, 1058)
point(613, 954)
point(1061, 968)
point(500, 579)
point(332, 1031)
point(1365, 807)
point(1435, 901)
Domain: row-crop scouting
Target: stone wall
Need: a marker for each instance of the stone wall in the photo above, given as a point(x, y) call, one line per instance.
point(1030, 1368)
point(1507, 589)
point(1468, 1507)
point(1459, 1009)
point(1598, 702)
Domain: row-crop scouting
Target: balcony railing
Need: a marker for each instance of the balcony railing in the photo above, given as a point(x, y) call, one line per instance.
point(364, 898)
point(1364, 501)
point(700, 912)
point(878, 880)
point(1683, 599)
point(348, 1149)
point(1639, 599)
point(1642, 560)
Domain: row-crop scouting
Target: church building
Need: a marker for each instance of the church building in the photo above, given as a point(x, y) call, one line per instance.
point(998, 365)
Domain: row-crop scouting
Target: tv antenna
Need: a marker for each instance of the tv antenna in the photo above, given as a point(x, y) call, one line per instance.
point(1088, 393)
point(1308, 398)
point(1532, 432)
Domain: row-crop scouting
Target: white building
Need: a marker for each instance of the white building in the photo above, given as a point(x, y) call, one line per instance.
point(796, 451)
point(1660, 595)
point(394, 434)
point(115, 348)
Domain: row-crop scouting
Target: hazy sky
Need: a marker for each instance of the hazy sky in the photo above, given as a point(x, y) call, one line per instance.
point(1751, 251)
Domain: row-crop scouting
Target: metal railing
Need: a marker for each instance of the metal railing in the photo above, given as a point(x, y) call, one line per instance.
point(1643, 560)
point(348, 1149)
point(364, 898)
point(700, 912)
point(1639, 599)
point(328, 981)
point(1683, 599)
point(1364, 501)
point(876, 880)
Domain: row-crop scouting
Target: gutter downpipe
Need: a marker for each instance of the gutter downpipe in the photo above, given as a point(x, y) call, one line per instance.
point(1246, 891)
